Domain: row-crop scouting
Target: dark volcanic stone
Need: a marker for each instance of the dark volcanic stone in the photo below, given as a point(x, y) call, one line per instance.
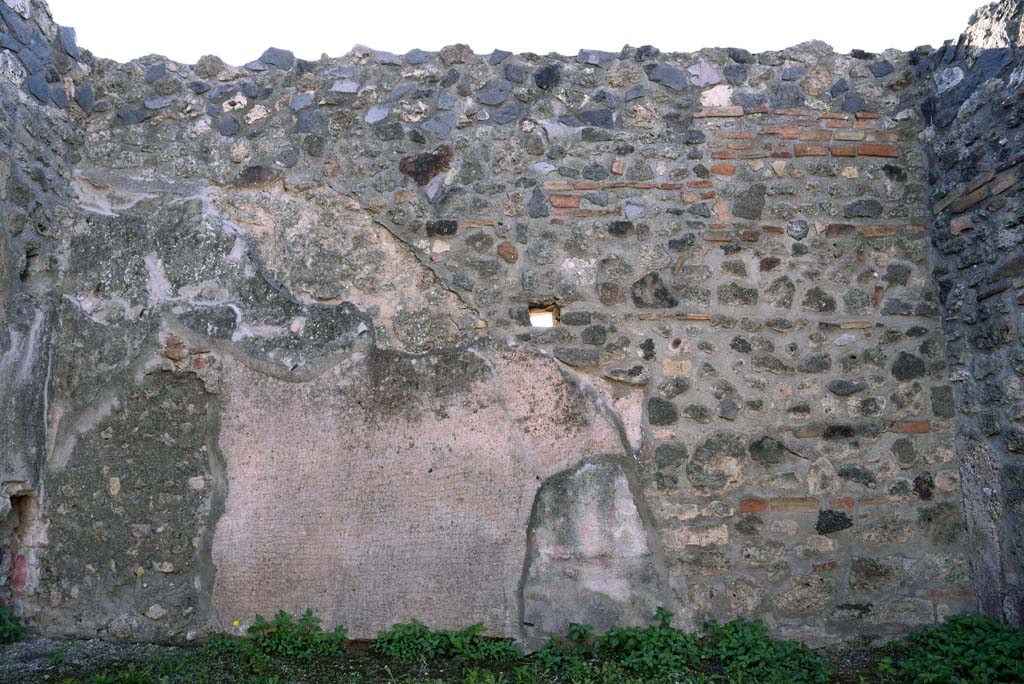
point(863, 208)
point(818, 300)
point(548, 77)
point(908, 367)
point(666, 75)
point(229, 126)
point(880, 69)
point(255, 175)
point(674, 386)
point(661, 412)
point(924, 486)
point(84, 96)
point(442, 227)
point(134, 116)
point(577, 356)
point(422, 167)
point(830, 521)
point(767, 451)
point(855, 473)
point(537, 206)
point(69, 42)
point(647, 349)
point(736, 294)
point(845, 388)
point(597, 117)
point(750, 203)
point(594, 334)
point(650, 293)
point(496, 93)
point(276, 57)
point(39, 88)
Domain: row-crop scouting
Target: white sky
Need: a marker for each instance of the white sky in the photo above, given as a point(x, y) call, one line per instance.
point(238, 31)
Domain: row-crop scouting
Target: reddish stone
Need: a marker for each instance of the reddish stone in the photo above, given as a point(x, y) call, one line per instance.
point(824, 567)
point(723, 169)
point(508, 252)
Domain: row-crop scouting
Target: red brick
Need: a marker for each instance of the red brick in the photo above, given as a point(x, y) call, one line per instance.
point(719, 112)
point(816, 135)
point(809, 150)
point(794, 111)
point(843, 150)
point(882, 136)
point(782, 131)
point(911, 426)
point(960, 224)
point(794, 505)
point(876, 231)
point(565, 201)
point(736, 135)
point(877, 150)
point(753, 505)
point(1004, 182)
point(557, 185)
point(838, 229)
point(740, 146)
point(587, 212)
point(824, 567)
point(846, 502)
point(723, 154)
point(964, 203)
point(588, 185)
point(867, 115)
point(850, 135)
point(959, 592)
point(723, 169)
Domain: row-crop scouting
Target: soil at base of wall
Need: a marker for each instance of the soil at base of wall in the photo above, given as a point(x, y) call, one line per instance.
point(89, 661)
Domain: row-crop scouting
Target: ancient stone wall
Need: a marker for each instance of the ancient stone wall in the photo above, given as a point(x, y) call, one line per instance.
point(287, 357)
point(974, 108)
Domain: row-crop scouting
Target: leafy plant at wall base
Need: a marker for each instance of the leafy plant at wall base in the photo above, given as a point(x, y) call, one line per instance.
point(579, 633)
point(651, 652)
point(303, 639)
point(965, 649)
point(10, 628)
point(413, 641)
point(746, 652)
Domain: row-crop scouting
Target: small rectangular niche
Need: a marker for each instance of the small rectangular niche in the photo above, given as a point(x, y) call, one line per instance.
point(543, 314)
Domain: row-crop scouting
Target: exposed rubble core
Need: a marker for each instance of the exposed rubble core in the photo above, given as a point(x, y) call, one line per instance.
point(515, 338)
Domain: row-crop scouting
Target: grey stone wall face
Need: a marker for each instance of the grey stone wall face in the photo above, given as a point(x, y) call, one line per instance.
point(973, 107)
point(268, 339)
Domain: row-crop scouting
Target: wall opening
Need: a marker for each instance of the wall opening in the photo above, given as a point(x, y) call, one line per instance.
point(544, 314)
